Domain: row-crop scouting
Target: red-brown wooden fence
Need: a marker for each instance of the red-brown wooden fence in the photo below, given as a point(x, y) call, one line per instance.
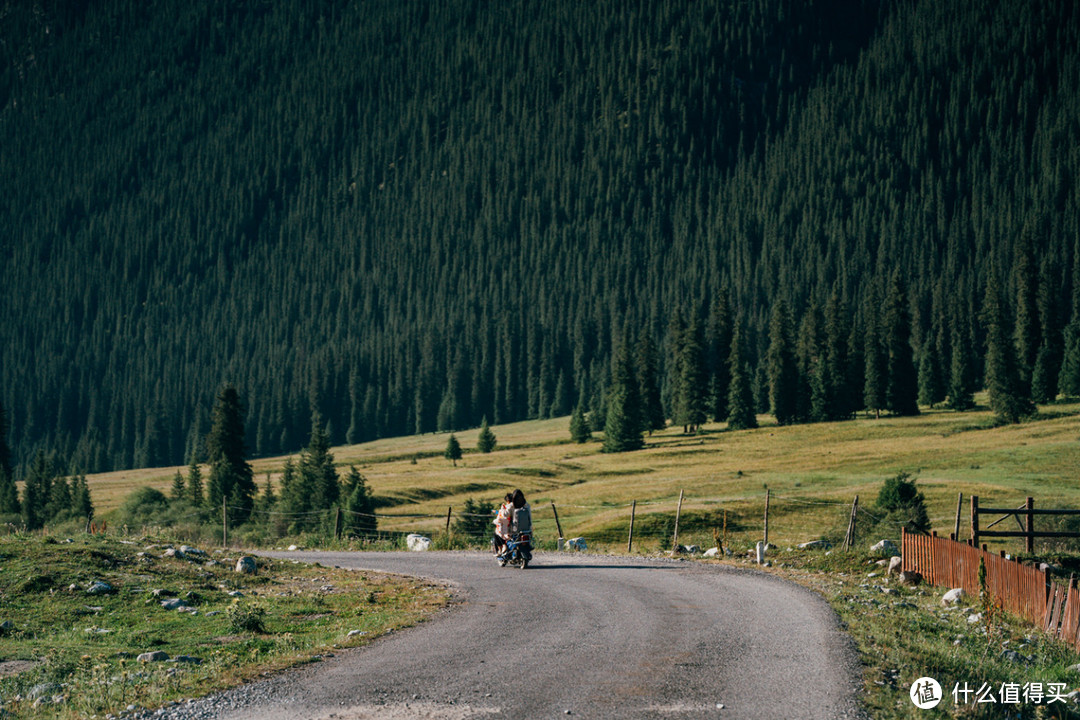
point(1020, 589)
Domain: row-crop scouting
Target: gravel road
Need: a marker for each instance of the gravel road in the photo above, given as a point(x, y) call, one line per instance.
point(574, 636)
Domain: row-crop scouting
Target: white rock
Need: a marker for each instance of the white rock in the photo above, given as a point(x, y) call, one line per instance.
point(175, 604)
point(155, 656)
point(885, 547)
point(293, 547)
point(895, 563)
point(173, 553)
point(246, 565)
point(711, 552)
point(418, 543)
point(194, 552)
point(100, 588)
point(577, 543)
point(354, 633)
point(815, 545)
point(953, 597)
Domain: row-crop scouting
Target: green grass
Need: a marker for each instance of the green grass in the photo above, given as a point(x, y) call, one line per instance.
point(910, 635)
point(87, 645)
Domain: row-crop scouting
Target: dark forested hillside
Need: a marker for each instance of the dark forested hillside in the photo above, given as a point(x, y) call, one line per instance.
point(411, 215)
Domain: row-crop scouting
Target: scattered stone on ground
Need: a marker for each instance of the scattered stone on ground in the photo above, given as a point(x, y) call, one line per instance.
point(417, 543)
point(885, 547)
point(954, 597)
point(154, 656)
point(246, 565)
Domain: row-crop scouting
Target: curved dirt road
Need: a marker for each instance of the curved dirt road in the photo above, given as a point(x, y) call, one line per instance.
point(578, 636)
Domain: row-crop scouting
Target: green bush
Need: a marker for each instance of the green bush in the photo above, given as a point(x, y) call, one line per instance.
point(246, 617)
point(474, 521)
point(901, 504)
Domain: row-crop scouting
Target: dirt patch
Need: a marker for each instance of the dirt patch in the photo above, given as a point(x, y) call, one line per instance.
point(411, 711)
point(9, 668)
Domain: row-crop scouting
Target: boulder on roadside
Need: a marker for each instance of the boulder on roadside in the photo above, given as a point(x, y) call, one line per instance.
point(815, 545)
point(895, 564)
point(155, 656)
point(954, 597)
point(711, 552)
point(418, 543)
point(910, 577)
point(577, 543)
point(885, 547)
point(246, 565)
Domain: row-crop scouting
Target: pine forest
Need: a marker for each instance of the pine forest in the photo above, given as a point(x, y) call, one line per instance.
point(406, 217)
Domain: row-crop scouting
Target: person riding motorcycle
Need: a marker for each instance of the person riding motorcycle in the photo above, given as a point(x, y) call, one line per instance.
point(503, 521)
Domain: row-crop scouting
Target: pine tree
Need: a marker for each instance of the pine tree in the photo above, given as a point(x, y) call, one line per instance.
point(1028, 334)
point(231, 476)
point(1069, 377)
point(485, 442)
point(719, 344)
point(59, 505)
point(194, 490)
point(359, 505)
point(580, 431)
point(179, 490)
point(266, 500)
point(82, 505)
point(740, 404)
point(691, 387)
point(781, 370)
point(36, 492)
point(839, 394)
point(622, 429)
point(652, 409)
point(1048, 361)
point(929, 375)
point(1007, 397)
point(902, 386)
point(294, 500)
point(960, 395)
point(810, 397)
point(318, 476)
point(9, 495)
point(875, 359)
point(453, 450)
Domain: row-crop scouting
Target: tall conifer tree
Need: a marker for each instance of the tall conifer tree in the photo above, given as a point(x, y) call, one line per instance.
point(719, 346)
point(780, 359)
point(692, 382)
point(741, 412)
point(622, 427)
point(902, 393)
point(9, 495)
point(1028, 334)
point(1007, 397)
point(875, 359)
point(652, 410)
point(318, 475)
point(231, 476)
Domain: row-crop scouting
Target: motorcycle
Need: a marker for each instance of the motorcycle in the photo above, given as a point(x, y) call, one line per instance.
point(517, 552)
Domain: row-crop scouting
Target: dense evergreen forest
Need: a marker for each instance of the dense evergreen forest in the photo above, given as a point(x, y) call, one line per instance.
point(409, 216)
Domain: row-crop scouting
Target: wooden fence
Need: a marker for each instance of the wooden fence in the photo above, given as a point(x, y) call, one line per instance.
point(1020, 589)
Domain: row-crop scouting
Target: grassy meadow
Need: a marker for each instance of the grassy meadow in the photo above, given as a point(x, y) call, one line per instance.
point(813, 472)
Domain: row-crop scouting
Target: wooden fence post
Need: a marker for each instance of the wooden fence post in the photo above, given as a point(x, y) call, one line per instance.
point(448, 520)
point(767, 493)
point(558, 525)
point(956, 525)
point(337, 523)
point(1030, 530)
point(630, 537)
point(678, 512)
point(849, 538)
point(975, 521)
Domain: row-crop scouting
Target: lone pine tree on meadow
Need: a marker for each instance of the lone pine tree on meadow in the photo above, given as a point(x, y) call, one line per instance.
point(486, 440)
point(318, 476)
point(453, 450)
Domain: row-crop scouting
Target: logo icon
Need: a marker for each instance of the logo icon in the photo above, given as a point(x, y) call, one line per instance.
point(925, 693)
